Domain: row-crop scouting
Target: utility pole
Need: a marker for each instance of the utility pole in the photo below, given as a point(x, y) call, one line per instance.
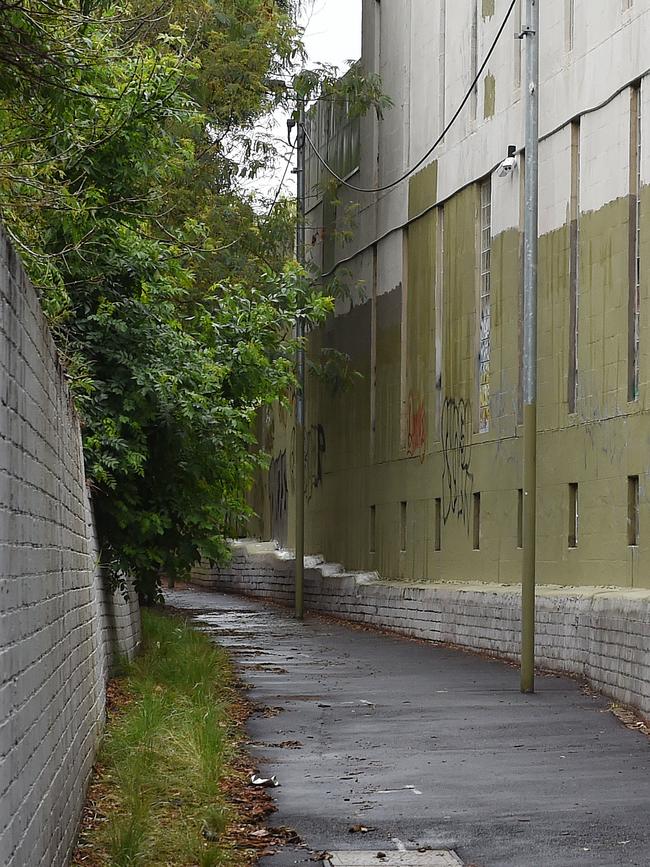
point(299, 451)
point(530, 34)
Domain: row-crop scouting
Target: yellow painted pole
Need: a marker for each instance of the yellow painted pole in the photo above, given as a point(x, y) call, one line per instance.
point(531, 35)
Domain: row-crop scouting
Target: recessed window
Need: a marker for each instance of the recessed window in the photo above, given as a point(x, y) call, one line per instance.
point(485, 310)
point(632, 510)
point(634, 326)
point(569, 23)
point(574, 268)
point(474, 58)
point(373, 529)
point(573, 515)
point(438, 525)
point(518, 45)
point(477, 521)
point(402, 533)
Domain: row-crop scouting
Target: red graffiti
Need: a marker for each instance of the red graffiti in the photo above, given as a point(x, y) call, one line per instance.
point(417, 426)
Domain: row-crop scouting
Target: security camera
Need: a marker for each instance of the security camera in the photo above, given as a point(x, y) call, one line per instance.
point(509, 163)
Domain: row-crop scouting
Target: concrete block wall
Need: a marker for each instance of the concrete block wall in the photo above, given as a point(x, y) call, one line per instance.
point(118, 621)
point(59, 627)
point(600, 634)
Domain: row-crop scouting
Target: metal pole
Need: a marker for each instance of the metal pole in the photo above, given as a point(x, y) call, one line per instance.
point(300, 371)
point(531, 34)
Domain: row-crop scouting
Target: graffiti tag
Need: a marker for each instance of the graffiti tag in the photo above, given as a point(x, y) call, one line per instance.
point(314, 451)
point(279, 496)
point(315, 448)
point(457, 477)
point(417, 426)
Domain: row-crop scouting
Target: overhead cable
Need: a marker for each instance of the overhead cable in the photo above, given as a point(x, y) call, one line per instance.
point(442, 135)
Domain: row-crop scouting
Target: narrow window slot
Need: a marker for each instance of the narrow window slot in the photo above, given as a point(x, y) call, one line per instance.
point(518, 44)
point(569, 23)
point(574, 267)
point(442, 64)
point(573, 515)
point(438, 313)
point(474, 59)
point(438, 525)
point(520, 518)
point(477, 521)
point(634, 304)
point(373, 529)
point(485, 304)
point(632, 510)
point(403, 526)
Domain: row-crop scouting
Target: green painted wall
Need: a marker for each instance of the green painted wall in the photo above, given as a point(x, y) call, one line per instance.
point(426, 444)
point(488, 8)
point(489, 95)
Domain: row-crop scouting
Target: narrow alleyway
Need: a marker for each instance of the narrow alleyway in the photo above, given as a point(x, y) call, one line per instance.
point(429, 746)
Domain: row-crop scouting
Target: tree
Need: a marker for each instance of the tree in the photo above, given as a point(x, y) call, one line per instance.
point(124, 132)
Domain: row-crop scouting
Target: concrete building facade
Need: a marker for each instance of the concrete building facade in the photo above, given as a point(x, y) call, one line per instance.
point(414, 468)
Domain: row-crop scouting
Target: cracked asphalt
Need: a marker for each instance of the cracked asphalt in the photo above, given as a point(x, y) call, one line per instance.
point(429, 746)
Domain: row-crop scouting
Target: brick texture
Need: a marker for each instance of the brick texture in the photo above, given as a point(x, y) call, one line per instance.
point(59, 627)
point(602, 635)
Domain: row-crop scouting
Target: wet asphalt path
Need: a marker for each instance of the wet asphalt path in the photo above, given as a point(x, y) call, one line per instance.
point(430, 746)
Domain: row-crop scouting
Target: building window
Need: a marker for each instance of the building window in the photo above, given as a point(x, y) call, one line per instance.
point(634, 337)
point(474, 58)
point(518, 46)
point(632, 510)
point(373, 355)
point(522, 246)
point(574, 265)
point(573, 515)
point(402, 533)
point(438, 313)
point(484, 307)
point(570, 23)
point(403, 341)
point(442, 65)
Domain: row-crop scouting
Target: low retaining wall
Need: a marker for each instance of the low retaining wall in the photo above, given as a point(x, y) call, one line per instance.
point(600, 634)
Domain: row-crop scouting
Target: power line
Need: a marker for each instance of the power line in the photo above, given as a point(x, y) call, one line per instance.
point(426, 156)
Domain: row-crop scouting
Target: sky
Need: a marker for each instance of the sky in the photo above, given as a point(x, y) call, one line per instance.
point(333, 31)
point(332, 36)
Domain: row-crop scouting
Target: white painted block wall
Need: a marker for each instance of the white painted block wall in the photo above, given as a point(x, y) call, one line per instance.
point(599, 634)
point(59, 627)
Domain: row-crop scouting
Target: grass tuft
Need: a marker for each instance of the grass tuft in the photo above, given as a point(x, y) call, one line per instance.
point(165, 756)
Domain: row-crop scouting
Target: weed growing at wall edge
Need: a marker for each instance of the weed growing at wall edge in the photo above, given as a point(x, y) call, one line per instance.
point(157, 797)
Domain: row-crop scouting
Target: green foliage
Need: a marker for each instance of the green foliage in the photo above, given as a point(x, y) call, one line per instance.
point(359, 91)
point(125, 133)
